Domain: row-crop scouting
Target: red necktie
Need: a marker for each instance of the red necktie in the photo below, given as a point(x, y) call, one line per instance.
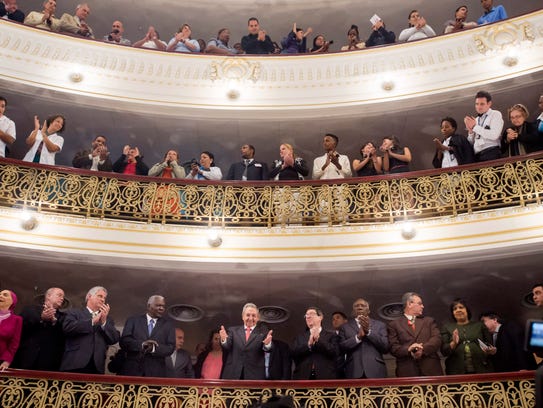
point(247, 333)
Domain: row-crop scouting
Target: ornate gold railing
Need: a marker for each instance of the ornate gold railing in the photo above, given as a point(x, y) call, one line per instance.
point(55, 390)
point(382, 199)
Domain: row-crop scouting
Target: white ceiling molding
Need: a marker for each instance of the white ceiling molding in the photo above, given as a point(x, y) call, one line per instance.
point(279, 86)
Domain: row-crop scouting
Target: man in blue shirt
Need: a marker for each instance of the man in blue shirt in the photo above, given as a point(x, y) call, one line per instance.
point(491, 14)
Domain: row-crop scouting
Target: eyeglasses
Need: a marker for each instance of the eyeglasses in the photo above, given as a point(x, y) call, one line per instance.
point(310, 315)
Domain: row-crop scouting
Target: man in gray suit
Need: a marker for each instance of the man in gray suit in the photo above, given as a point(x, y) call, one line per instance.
point(89, 332)
point(179, 364)
point(364, 341)
point(147, 340)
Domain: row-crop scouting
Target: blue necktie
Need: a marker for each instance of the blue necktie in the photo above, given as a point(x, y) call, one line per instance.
point(151, 326)
point(540, 127)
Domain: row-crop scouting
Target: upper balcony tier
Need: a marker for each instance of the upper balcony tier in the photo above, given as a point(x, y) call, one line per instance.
point(303, 86)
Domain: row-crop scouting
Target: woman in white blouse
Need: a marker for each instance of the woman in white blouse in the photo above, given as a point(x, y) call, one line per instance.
point(45, 143)
point(206, 169)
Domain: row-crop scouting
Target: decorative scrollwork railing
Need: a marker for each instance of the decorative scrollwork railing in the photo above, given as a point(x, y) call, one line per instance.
point(382, 199)
point(47, 390)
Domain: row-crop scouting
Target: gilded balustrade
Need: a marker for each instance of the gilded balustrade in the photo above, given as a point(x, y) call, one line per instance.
point(382, 199)
point(27, 389)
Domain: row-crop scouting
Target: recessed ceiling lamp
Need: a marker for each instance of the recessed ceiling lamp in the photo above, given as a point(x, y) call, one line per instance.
point(214, 238)
point(28, 221)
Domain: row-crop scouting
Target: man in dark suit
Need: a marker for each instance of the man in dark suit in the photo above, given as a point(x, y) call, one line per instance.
point(315, 352)
point(246, 346)
point(415, 340)
point(248, 168)
point(89, 332)
point(364, 341)
point(42, 339)
point(507, 352)
point(147, 340)
point(179, 363)
point(278, 362)
point(9, 8)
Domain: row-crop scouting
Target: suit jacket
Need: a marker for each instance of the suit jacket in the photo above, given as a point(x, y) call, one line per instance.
point(17, 15)
point(401, 336)
point(364, 358)
point(70, 24)
point(321, 357)
point(85, 341)
point(462, 150)
point(42, 343)
point(142, 364)
point(245, 359)
point(183, 365)
point(81, 161)
point(255, 171)
point(280, 362)
point(510, 354)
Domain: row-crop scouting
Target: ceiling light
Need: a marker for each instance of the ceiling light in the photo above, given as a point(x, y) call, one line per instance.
point(214, 239)
point(28, 221)
point(408, 230)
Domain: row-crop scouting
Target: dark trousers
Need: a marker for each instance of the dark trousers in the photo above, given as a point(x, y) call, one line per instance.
point(490, 153)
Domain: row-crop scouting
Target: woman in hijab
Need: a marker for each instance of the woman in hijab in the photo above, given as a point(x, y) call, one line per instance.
point(10, 328)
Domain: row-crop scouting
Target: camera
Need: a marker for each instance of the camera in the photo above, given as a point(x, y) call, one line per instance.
point(331, 42)
point(534, 336)
point(194, 161)
point(110, 37)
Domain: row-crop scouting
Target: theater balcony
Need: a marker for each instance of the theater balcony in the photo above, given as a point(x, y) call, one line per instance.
point(41, 390)
point(208, 247)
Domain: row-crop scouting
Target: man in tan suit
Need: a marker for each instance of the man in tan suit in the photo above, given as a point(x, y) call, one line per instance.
point(44, 19)
point(77, 24)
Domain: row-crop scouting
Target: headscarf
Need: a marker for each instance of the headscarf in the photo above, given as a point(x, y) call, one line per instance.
point(6, 314)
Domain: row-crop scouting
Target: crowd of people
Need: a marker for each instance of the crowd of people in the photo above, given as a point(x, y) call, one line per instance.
point(257, 41)
point(487, 138)
point(48, 337)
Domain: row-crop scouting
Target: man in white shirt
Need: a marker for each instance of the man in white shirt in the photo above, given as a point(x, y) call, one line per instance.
point(7, 128)
point(331, 165)
point(485, 130)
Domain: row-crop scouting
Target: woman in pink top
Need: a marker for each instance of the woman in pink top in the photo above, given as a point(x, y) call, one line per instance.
point(10, 328)
point(210, 361)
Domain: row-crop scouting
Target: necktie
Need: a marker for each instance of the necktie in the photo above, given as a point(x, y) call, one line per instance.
point(37, 156)
point(246, 163)
point(411, 322)
point(151, 326)
point(247, 333)
point(540, 126)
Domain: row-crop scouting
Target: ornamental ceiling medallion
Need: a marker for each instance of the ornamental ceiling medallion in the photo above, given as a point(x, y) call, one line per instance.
point(234, 69)
point(504, 36)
